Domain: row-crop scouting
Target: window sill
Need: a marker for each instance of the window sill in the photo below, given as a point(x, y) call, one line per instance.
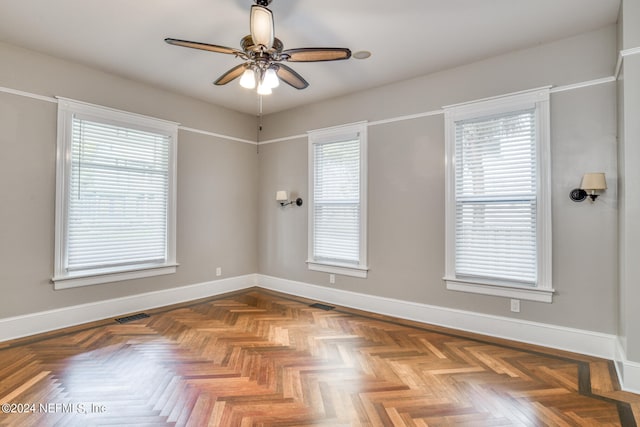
point(343, 269)
point(519, 292)
point(84, 279)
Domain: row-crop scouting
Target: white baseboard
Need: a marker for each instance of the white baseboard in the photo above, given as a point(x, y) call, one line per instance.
point(628, 372)
point(630, 378)
point(44, 321)
point(553, 336)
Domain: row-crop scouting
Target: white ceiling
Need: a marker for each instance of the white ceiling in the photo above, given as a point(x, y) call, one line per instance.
point(407, 38)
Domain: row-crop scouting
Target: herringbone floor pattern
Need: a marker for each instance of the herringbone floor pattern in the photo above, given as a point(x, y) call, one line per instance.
point(258, 358)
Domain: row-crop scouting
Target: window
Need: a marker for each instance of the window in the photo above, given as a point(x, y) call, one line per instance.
point(498, 209)
point(338, 188)
point(115, 196)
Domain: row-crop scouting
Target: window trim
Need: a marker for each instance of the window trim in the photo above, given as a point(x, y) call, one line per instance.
point(67, 108)
point(535, 98)
point(326, 135)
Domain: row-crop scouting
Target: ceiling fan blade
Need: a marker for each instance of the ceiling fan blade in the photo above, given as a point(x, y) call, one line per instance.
point(204, 46)
point(316, 54)
point(231, 75)
point(290, 77)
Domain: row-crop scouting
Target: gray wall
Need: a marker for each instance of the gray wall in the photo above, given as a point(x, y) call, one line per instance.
point(227, 215)
point(406, 182)
point(217, 181)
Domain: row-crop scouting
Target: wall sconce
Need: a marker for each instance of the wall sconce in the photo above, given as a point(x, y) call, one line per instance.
point(282, 197)
point(591, 183)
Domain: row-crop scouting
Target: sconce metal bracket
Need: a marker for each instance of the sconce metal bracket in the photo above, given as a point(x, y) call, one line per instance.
point(578, 195)
point(297, 202)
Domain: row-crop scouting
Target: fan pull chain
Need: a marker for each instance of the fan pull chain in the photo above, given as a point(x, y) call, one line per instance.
point(259, 123)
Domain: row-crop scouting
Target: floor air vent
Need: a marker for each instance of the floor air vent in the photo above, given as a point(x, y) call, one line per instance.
point(322, 306)
point(132, 318)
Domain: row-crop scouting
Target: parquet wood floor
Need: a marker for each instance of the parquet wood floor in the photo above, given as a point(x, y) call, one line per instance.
point(259, 358)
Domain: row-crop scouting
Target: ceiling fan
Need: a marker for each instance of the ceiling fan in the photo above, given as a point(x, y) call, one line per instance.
point(263, 55)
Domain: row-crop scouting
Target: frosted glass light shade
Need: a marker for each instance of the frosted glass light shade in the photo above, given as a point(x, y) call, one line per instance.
point(593, 181)
point(248, 79)
point(282, 196)
point(271, 79)
point(264, 89)
point(261, 26)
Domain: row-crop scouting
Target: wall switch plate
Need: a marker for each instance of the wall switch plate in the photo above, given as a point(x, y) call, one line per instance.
point(332, 278)
point(219, 271)
point(515, 305)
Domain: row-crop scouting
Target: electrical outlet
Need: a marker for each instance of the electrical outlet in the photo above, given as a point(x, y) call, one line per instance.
point(219, 271)
point(515, 305)
point(332, 278)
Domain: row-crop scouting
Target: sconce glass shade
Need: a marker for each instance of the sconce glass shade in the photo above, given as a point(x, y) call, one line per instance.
point(282, 196)
point(593, 181)
point(248, 79)
point(261, 25)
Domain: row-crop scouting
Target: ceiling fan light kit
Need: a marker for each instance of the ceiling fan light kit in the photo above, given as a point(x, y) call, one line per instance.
point(263, 55)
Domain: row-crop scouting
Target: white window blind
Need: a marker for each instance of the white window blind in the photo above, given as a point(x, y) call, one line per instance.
point(118, 197)
point(336, 201)
point(115, 195)
point(495, 196)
